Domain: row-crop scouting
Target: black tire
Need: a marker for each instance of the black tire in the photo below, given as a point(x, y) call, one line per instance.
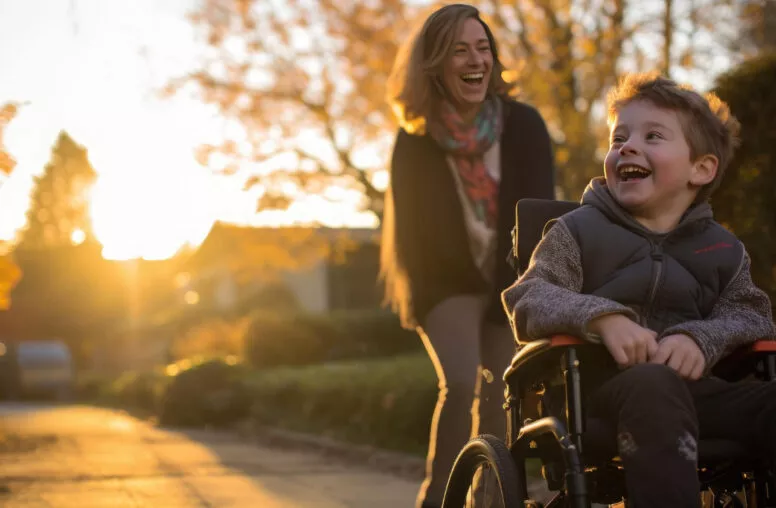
point(484, 450)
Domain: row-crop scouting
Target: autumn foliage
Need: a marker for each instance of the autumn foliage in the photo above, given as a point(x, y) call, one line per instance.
point(9, 272)
point(305, 81)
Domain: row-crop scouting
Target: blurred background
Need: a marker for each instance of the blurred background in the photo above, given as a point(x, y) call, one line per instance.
point(191, 191)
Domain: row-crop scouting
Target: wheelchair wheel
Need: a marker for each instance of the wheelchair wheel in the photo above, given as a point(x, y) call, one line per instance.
point(484, 475)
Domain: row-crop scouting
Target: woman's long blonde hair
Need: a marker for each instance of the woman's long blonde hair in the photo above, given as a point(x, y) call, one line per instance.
point(415, 86)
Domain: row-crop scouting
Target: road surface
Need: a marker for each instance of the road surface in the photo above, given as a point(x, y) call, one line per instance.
point(80, 456)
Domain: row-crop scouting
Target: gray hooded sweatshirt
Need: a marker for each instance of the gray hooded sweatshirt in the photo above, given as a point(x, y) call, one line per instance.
point(694, 280)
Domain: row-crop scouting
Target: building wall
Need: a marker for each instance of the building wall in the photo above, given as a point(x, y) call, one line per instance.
point(354, 284)
point(310, 285)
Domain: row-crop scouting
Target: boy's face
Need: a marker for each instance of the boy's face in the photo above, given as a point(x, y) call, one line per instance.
point(648, 168)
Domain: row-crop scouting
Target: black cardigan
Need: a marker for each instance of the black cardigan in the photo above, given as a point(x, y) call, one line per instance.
point(426, 244)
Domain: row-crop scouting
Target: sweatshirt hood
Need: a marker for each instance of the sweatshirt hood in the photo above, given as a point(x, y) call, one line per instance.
point(597, 195)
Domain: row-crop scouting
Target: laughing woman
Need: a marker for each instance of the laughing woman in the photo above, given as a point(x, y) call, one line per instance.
point(463, 157)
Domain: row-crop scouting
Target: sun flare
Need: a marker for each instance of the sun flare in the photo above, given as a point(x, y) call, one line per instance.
point(142, 218)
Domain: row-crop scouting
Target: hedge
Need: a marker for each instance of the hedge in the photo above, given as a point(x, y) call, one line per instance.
point(210, 393)
point(386, 403)
point(137, 391)
point(295, 338)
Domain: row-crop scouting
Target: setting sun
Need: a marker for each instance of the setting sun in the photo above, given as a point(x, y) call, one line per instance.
point(143, 218)
point(78, 236)
point(151, 197)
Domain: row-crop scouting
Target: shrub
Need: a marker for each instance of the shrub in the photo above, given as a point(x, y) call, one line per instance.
point(386, 403)
point(214, 337)
point(275, 296)
point(744, 201)
point(211, 393)
point(304, 339)
point(132, 390)
point(287, 339)
point(370, 334)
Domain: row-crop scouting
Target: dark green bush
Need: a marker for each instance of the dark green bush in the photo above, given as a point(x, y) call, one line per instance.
point(370, 334)
point(386, 403)
point(287, 339)
point(275, 296)
point(211, 393)
point(745, 200)
point(132, 390)
point(304, 339)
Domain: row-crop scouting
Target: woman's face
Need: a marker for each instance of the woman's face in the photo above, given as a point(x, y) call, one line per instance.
point(467, 70)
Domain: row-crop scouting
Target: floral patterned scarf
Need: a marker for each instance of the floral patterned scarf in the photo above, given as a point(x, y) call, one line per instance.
point(467, 144)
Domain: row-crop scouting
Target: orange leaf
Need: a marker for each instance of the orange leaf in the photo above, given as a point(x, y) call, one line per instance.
point(9, 277)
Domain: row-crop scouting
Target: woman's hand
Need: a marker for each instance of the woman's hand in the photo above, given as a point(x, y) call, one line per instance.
point(682, 354)
point(627, 342)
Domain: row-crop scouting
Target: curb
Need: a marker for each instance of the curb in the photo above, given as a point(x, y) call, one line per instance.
point(404, 465)
point(410, 467)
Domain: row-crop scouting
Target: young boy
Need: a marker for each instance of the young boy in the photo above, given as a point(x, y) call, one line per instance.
point(643, 268)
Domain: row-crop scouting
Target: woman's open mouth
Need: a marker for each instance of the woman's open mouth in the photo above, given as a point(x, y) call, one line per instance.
point(473, 78)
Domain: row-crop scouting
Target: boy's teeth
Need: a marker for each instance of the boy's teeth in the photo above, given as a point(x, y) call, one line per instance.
point(633, 170)
point(627, 173)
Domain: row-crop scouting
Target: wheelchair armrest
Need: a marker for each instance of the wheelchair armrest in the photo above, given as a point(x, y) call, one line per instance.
point(743, 361)
point(538, 356)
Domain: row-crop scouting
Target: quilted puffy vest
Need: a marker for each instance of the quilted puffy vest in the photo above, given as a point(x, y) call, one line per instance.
point(666, 278)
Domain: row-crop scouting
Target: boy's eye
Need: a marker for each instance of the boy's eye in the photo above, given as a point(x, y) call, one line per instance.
point(654, 135)
point(617, 139)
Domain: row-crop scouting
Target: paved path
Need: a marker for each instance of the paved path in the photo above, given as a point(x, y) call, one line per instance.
point(78, 456)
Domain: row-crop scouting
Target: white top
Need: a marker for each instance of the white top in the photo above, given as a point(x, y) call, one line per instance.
point(482, 238)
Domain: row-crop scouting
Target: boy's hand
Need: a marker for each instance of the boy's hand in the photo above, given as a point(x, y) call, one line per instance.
point(627, 342)
point(682, 354)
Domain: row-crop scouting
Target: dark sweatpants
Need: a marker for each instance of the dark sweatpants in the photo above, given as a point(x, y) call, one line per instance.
point(659, 418)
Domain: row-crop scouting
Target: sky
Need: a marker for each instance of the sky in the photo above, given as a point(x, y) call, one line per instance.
point(95, 68)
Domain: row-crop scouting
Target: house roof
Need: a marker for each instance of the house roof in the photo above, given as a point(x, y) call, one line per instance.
point(284, 247)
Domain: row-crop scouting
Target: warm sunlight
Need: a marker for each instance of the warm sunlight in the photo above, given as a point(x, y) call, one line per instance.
point(148, 203)
point(78, 236)
point(137, 217)
point(151, 197)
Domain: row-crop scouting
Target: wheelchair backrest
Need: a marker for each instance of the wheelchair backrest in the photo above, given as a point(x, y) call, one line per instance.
point(531, 217)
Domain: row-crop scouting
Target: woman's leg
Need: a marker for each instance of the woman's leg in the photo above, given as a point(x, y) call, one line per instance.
point(451, 335)
point(497, 348)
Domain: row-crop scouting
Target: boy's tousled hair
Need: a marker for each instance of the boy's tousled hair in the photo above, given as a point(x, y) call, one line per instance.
point(706, 121)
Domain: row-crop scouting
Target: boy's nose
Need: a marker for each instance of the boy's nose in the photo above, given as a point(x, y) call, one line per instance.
point(628, 148)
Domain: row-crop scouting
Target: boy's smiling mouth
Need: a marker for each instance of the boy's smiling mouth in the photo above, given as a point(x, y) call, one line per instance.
point(629, 172)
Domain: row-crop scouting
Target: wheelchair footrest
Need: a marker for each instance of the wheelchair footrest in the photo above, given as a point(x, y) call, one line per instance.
point(550, 434)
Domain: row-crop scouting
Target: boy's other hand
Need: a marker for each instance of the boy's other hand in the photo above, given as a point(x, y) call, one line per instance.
point(682, 354)
point(627, 342)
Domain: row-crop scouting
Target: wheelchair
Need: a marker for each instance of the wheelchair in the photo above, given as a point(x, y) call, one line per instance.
point(546, 427)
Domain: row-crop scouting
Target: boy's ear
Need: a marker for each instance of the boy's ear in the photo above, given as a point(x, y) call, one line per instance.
point(704, 170)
